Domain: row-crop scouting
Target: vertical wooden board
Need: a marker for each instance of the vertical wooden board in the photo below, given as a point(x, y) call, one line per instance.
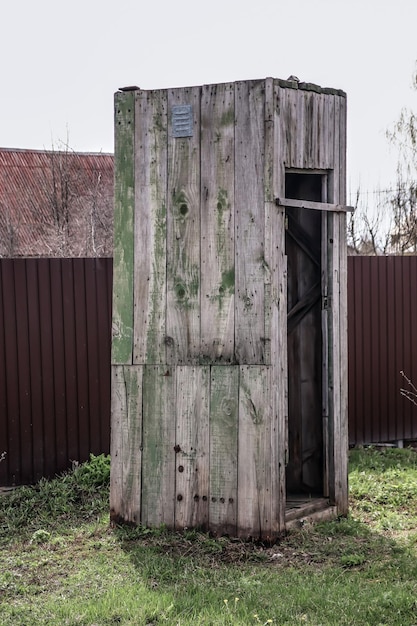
point(300, 133)
point(192, 445)
point(288, 117)
point(224, 389)
point(249, 223)
point(307, 156)
point(273, 162)
point(150, 227)
point(330, 100)
point(126, 444)
point(158, 466)
point(342, 148)
point(334, 359)
point(217, 223)
point(258, 478)
point(124, 200)
point(276, 306)
point(183, 234)
point(343, 321)
point(279, 144)
point(336, 197)
point(325, 352)
point(324, 130)
point(276, 294)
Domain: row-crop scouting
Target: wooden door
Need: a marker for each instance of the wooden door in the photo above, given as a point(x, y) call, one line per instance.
point(305, 468)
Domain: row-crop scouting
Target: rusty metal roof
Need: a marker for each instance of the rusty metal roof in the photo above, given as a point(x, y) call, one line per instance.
point(55, 203)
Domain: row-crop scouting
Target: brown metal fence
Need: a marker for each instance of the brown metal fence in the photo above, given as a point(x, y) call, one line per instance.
point(382, 313)
point(55, 317)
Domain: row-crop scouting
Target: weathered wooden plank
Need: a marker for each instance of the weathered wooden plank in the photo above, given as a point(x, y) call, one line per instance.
point(217, 223)
point(269, 185)
point(301, 131)
point(279, 143)
point(288, 126)
point(249, 223)
point(334, 358)
point(192, 445)
point(272, 159)
point(276, 331)
point(224, 389)
point(316, 206)
point(342, 149)
point(325, 352)
point(124, 201)
point(343, 321)
point(258, 479)
point(311, 158)
point(150, 227)
point(323, 129)
point(126, 444)
point(183, 236)
point(158, 456)
point(275, 295)
point(335, 191)
point(343, 366)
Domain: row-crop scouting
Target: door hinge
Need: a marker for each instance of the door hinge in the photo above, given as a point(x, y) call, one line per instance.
point(326, 303)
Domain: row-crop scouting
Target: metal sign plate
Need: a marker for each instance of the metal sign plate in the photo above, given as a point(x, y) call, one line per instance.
point(182, 120)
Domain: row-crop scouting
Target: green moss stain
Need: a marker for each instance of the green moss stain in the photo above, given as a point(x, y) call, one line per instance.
point(154, 344)
point(124, 207)
point(228, 280)
point(228, 118)
point(155, 331)
point(186, 289)
point(222, 206)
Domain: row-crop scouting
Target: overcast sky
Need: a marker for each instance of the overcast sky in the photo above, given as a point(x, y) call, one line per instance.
point(62, 61)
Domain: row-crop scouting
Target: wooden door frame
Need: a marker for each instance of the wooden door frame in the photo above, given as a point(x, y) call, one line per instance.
point(333, 218)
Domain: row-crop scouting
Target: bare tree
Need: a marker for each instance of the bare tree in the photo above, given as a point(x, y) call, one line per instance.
point(368, 228)
point(389, 226)
point(403, 199)
point(64, 205)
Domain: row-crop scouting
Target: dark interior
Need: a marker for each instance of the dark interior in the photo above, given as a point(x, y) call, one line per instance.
point(304, 473)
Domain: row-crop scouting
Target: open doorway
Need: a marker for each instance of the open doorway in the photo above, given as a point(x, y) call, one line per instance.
point(306, 475)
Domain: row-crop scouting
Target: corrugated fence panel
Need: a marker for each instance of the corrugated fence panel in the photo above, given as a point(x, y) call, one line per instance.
point(382, 317)
point(55, 333)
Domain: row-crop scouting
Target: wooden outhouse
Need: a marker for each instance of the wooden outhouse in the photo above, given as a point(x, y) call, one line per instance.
point(229, 375)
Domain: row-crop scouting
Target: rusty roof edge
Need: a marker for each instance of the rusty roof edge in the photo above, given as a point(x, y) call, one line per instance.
point(52, 151)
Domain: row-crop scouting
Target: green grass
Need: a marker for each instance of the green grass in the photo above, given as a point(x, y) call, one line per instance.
point(62, 564)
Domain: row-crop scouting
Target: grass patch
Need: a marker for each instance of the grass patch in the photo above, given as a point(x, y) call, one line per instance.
point(62, 564)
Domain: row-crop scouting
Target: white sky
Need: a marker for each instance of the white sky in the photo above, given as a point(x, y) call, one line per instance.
point(61, 62)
